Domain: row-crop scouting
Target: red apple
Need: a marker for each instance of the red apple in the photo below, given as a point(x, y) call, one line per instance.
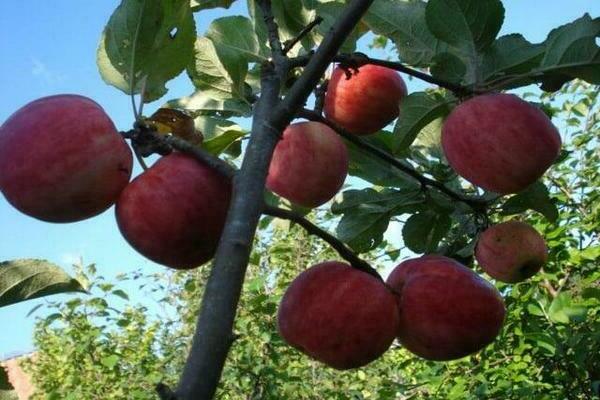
point(366, 102)
point(446, 310)
point(338, 315)
point(309, 164)
point(174, 212)
point(511, 251)
point(62, 159)
point(500, 142)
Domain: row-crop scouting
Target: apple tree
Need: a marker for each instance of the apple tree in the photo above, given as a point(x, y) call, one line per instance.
point(462, 156)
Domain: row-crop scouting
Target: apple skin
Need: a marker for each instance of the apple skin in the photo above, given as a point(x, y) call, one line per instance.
point(446, 310)
point(174, 212)
point(309, 164)
point(367, 102)
point(62, 159)
point(500, 142)
point(511, 251)
point(338, 315)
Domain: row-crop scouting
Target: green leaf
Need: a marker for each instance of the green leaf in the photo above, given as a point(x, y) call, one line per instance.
point(469, 25)
point(367, 213)
point(362, 232)
point(330, 12)
point(27, 279)
point(110, 361)
point(120, 293)
point(423, 231)
point(291, 17)
point(201, 103)
point(373, 169)
point(511, 55)
point(213, 78)
point(535, 197)
point(368, 201)
point(571, 50)
point(448, 67)
point(236, 45)
point(198, 5)
point(563, 309)
point(145, 44)
point(404, 23)
point(219, 133)
point(543, 341)
point(417, 110)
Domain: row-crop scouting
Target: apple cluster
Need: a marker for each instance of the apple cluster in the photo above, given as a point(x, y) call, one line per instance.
point(63, 160)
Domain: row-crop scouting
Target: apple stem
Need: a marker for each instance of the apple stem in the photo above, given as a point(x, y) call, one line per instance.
point(334, 242)
point(479, 205)
point(212, 339)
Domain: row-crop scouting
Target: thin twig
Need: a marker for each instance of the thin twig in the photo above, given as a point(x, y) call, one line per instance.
point(289, 44)
point(334, 242)
point(475, 203)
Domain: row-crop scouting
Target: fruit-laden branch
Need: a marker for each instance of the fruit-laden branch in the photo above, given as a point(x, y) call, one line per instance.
point(334, 242)
point(477, 204)
point(358, 59)
point(148, 141)
point(212, 338)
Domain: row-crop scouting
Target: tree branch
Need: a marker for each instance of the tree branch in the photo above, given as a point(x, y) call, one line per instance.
point(334, 242)
point(358, 59)
point(475, 203)
point(211, 341)
point(147, 141)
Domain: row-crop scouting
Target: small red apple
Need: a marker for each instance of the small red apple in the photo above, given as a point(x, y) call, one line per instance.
point(500, 142)
point(174, 212)
point(338, 315)
point(511, 251)
point(367, 101)
point(62, 159)
point(309, 164)
point(446, 310)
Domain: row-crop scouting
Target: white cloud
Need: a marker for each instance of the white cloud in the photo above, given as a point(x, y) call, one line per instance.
point(42, 72)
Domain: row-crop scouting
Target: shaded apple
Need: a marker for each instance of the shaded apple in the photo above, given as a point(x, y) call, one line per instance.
point(446, 310)
point(511, 251)
point(62, 159)
point(338, 315)
point(174, 212)
point(367, 101)
point(500, 142)
point(309, 164)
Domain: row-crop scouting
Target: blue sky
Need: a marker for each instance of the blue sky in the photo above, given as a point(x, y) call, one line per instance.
point(48, 47)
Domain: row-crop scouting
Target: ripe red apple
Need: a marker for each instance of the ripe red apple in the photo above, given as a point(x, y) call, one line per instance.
point(338, 315)
point(500, 142)
point(174, 212)
point(446, 310)
point(366, 102)
point(309, 164)
point(62, 159)
point(511, 251)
